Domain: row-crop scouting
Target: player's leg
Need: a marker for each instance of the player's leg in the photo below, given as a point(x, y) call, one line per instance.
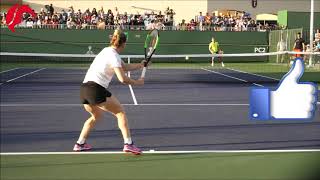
point(96, 114)
point(220, 58)
point(212, 60)
point(114, 107)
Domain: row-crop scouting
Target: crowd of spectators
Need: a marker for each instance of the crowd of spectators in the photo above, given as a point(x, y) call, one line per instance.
point(225, 23)
point(110, 19)
point(95, 19)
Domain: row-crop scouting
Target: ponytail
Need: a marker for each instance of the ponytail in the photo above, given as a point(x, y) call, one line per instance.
point(118, 38)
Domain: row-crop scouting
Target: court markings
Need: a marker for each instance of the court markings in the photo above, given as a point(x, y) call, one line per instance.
point(254, 74)
point(232, 77)
point(151, 151)
point(23, 75)
point(9, 70)
point(131, 91)
point(78, 105)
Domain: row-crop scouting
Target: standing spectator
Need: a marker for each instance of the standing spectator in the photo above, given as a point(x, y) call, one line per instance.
point(94, 12)
point(200, 21)
point(63, 17)
point(51, 9)
point(116, 12)
point(70, 12)
point(101, 12)
point(169, 13)
point(207, 20)
point(213, 21)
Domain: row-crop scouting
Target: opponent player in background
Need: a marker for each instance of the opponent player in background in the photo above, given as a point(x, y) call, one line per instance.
point(215, 49)
point(97, 99)
point(298, 45)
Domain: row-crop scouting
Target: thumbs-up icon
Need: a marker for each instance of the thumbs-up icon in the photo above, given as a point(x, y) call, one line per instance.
point(291, 100)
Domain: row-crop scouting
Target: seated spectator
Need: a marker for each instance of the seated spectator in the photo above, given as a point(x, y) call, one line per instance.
point(159, 25)
point(317, 36)
point(192, 25)
point(151, 25)
point(317, 49)
point(94, 12)
point(3, 18)
point(29, 23)
point(183, 25)
point(70, 23)
point(101, 24)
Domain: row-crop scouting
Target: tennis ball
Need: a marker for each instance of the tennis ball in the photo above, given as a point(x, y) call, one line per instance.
point(187, 57)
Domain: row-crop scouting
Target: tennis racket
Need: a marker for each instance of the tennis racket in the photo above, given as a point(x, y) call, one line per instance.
point(150, 46)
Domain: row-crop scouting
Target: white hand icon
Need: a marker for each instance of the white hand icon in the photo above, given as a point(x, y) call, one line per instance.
point(293, 99)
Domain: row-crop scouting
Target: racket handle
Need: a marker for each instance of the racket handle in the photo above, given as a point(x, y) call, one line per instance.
point(143, 72)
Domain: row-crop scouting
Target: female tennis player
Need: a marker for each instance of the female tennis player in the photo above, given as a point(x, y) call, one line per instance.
point(97, 99)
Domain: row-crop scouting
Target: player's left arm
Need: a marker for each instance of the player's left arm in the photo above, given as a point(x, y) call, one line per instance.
point(210, 48)
point(132, 67)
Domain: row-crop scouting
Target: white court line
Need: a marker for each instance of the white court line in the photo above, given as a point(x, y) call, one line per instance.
point(161, 152)
point(78, 105)
point(9, 70)
point(254, 74)
point(232, 77)
point(24, 75)
point(131, 91)
point(258, 84)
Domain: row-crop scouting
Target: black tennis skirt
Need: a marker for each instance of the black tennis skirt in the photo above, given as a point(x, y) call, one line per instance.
point(93, 93)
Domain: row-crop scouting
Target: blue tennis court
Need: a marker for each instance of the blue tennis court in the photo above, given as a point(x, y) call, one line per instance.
point(176, 109)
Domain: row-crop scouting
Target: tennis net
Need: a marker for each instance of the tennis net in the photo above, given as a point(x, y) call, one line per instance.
point(184, 68)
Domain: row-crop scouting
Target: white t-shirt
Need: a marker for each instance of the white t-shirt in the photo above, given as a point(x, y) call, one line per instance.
point(101, 70)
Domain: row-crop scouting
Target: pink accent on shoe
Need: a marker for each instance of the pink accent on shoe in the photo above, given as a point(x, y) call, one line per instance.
point(132, 149)
point(82, 147)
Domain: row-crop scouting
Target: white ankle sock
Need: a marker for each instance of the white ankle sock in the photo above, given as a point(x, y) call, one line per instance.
point(127, 140)
point(81, 141)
